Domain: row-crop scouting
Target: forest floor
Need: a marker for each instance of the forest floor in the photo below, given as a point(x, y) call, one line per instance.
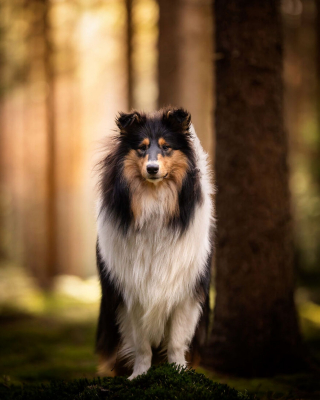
point(44, 337)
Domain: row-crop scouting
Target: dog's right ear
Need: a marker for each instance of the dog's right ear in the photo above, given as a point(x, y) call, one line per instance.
point(125, 122)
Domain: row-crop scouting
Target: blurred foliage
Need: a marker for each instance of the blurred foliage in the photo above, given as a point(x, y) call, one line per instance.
point(71, 298)
point(14, 58)
point(302, 83)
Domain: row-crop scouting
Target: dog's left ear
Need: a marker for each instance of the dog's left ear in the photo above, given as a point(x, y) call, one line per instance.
point(177, 118)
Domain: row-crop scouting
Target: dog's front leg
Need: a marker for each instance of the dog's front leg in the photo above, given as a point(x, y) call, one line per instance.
point(183, 323)
point(142, 353)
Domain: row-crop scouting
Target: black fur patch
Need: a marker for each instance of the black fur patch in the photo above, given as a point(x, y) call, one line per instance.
point(202, 293)
point(125, 122)
point(171, 124)
point(108, 335)
point(178, 121)
point(114, 190)
point(189, 196)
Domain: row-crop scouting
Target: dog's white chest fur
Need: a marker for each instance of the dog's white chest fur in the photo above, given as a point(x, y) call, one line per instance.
point(154, 267)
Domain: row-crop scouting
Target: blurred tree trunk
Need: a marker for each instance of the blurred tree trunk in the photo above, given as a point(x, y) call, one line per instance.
point(255, 330)
point(185, 64)
point(129, 54)
point(292, 71)
point(169, 43)
point(3, 250)
point(318, 86)
point(41, 216)
point(51, 143)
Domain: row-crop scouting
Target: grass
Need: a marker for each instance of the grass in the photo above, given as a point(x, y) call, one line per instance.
point(45, 338)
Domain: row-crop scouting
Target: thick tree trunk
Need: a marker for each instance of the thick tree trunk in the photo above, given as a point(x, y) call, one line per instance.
point(255, 329)
point(318, 88)
point(185, 64)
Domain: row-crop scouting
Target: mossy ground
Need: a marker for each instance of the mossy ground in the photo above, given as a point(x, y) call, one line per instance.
point(162, 382)
point(46, 338)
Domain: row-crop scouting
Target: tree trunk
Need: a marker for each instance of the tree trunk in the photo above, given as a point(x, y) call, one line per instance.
point(40, 228)
point(318, 90)
point(129, 54)
point(51, 201)
point(255, 329)
point(185, 64)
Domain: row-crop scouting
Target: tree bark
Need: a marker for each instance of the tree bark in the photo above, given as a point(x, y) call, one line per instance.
point(255, 330)
point(185, 64)
point(318, 89)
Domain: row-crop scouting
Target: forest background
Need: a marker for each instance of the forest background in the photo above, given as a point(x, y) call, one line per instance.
point(67, 68)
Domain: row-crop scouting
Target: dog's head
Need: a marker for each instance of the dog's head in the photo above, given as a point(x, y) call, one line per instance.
point(157, 147)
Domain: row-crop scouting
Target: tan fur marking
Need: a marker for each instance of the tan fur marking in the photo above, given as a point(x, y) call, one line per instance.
point(137, 117)
point(132, 167)
point(176, 166)
point(161, 142)
point(142, 191)
point(145, 141)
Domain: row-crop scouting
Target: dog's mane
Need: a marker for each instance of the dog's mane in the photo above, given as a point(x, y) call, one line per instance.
point(115, 190)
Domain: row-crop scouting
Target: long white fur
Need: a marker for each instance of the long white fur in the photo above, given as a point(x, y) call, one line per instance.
point(156, 271)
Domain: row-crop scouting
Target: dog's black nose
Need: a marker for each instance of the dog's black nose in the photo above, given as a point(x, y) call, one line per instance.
point(152, 169)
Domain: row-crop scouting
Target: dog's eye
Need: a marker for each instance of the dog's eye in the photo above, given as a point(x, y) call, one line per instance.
point(143, 147)
point(165, 147)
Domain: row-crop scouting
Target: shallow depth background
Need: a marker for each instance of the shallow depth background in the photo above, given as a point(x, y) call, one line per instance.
point(67, 67)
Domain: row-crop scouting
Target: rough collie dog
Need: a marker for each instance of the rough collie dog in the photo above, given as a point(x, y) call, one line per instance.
point(154, 241)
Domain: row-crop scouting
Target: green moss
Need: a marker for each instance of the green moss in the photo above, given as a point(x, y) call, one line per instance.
point(50, 337)
point(38, 349)
point(162, 382)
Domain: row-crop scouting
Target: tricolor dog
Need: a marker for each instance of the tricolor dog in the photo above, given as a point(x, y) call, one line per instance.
point(155, 226)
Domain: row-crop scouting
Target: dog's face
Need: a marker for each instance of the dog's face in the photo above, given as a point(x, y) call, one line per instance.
point(156, 147)
point(154, 160)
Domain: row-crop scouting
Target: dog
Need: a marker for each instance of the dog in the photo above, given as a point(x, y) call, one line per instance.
point(155, 225)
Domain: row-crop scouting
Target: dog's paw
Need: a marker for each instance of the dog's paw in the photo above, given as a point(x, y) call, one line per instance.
point(138, 372)
point(132, 376)
point(177, 358)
